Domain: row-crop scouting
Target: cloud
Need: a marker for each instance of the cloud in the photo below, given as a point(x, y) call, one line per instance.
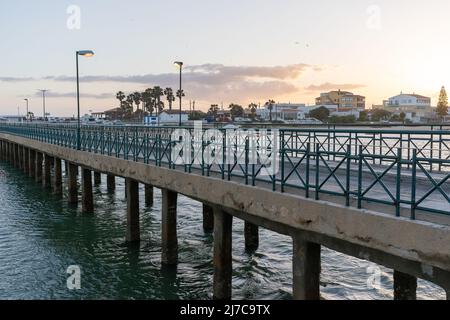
point(16, 79)
point(208, 82)
point(53, 94)
point(333, 86)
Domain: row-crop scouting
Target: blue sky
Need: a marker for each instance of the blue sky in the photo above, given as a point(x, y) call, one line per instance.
point(249, 50)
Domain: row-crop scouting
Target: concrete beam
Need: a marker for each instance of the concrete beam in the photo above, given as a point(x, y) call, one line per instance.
point(97, 178)
point(251, 234)
point(72, 184)
point(46, 181)
point(111, 182)
point(223, 268)
point(38, 167)
point(148, 195)
point(306, 270)
point(169, 227)
point(57, 180)
point(87, 199)
point(133, 228)
point(208, 218)
point(405, 286)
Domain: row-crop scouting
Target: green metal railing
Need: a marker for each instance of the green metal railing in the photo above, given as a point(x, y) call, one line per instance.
point(403, 169)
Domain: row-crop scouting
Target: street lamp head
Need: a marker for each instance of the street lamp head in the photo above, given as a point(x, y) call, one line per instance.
point(85, 53)
point(178, 63)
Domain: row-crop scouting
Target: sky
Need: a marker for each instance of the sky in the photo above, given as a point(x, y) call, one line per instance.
point(234, 51)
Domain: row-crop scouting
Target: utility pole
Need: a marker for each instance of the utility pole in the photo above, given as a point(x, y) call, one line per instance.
point(43, 102)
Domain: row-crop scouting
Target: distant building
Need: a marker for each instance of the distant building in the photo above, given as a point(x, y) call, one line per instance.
point(345, 100)
point(297, 112)
point(408, 102)
point(167, 117)
point(113, 114)
point(417, 108)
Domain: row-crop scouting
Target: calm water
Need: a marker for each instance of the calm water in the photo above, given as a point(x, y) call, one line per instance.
point(40, 236)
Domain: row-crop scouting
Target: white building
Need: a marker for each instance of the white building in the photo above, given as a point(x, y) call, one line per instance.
point(167, 117)
point(405, 102)
point(416, 107)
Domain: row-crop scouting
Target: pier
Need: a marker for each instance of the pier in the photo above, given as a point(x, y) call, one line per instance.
point(378, 195)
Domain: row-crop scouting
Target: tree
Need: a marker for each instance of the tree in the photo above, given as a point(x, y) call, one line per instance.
point(148, 101)
point(120, 96)
point(130, 101)
point(363, 116)
point(269, 105)
point(321, 113)
point(213, 110)
point(137, 98)
point(253, 106)
point(442, 106)
point(158, 92)
point(380, 114)
point(236, 110)
point(182, 93)
point(169, 96)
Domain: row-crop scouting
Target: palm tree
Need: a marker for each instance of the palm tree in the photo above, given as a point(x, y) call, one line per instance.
point(158, 92)
point(213, 110)
point(182, 93)
point(120, 96)
point(130, 101)
point(253, 106)
point(269, 105)
point(137, 98)
point(169, 96)
point(147, 98)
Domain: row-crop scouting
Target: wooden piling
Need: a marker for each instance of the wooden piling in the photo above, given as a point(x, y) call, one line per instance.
point(405, 286)
point(133, 228)
point(306, 270)
point(169, 227)
point(222, 254)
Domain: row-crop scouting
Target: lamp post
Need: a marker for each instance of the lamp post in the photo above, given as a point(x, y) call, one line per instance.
point(87, 54)
point(180, 65)
point(27, 108)
point(43, 101)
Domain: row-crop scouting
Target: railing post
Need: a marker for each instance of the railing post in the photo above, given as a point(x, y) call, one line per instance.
point(413, 185)
point(317, 184)
point(347, 178)
point(398, 182)
point(360, 172)
point(308, 158)
point(282, 160)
